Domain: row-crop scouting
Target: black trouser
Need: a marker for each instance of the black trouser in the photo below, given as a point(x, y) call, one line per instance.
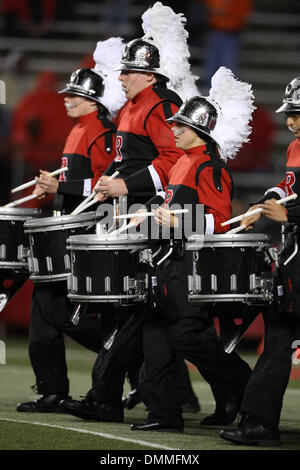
point(186, 331)
point(264, 393)
point(126, 353)
point(51, 311)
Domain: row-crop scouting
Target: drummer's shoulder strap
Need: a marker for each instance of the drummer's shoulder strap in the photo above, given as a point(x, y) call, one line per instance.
point(217, 166)
point(109, 130)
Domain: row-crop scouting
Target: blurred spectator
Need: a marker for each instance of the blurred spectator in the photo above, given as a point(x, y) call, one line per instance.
point(40, 126)
point(17, 82)
point(195, 12)
point(256, 155)
point(16, 77)
point(32, 17)
point(116, 13)
point(226, 20)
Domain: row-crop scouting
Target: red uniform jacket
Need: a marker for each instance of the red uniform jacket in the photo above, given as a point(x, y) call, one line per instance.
point(191, 181)
point(89, 150)
point(145, 146)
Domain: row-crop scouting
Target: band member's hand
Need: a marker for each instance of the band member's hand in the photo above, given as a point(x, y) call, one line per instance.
point(138, 220)
point(274, 211)
point(47, 183)
point(250, 221)
point(102, 179)
point(112, 188)
point(164, 217)
point(100, 197)
point(39, 192)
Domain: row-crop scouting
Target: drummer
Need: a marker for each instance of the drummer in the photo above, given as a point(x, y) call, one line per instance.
point(89, 149)
point(263, 398)
point(199, 177)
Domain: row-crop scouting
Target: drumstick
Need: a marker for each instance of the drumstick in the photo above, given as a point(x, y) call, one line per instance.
point(86, 203)
point(123, 228)
point(236, 229)
point(20, 201)
point(258, 210)
point(149, 214)
point(33, 182)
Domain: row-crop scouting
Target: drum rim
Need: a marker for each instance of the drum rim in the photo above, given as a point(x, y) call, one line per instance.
point(229, 237)
point(13, 213)
point(64, 222)
point(95, 240)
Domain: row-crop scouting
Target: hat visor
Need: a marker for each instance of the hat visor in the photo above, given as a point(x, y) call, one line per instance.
point(283, 108)
point(200, 131)
point(71, 91)
point(135, 68)
point(289, 108)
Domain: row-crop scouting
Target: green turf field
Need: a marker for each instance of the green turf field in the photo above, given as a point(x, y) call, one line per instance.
point(54, 431)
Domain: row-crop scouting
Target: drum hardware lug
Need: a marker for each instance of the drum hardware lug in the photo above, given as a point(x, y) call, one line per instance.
point(242, 250)
point(233, 282)
point(67, 262)
point(72, 283)
point(213, 282)
point(30, 264)
point(49, 264)
point(88, 284)
point(35, 265)
point(22, 252)
point(69, 281)
point(198, 285)
point(190, 283)
point(3, 251)
point(107, 285)
point(252, 285)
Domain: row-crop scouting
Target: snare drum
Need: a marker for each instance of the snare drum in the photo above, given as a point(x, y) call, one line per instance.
point(107, 269)
point(14, 242)
point(48, 259)
point(227, 268)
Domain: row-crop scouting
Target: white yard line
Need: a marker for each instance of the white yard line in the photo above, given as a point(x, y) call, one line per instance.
point(94, 433)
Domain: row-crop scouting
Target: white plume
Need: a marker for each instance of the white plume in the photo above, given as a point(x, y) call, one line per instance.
point(234, 102)
point(166, 30)
point(107, 56)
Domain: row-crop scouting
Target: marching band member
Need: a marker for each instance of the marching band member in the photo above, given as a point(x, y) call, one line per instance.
point(208, 130)
point(145, 153)
point(262, 402)
point(90, 147)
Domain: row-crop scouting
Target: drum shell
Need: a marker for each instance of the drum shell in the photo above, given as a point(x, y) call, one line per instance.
point(107, 270)
point(14, 243)
point(230, 268)
point(48, 260)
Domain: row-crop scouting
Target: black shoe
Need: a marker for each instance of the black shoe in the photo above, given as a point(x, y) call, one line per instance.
point(193, 406)
point(252, 435)
point(93, 411)
point(154, 426)
point(222, 416)
point(132, 399)
point(45, 404)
